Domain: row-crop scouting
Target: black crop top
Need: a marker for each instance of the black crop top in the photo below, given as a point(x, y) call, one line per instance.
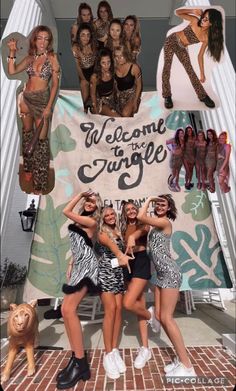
point(126, 82)
point(105, 88)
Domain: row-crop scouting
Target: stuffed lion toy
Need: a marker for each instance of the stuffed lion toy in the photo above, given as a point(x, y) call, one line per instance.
point(22, 328)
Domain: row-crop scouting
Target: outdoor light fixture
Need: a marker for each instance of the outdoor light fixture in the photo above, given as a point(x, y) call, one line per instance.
point(28, 217)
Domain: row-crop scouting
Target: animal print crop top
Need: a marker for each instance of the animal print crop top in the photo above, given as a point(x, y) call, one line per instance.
point(45, 73)
point(190, 35)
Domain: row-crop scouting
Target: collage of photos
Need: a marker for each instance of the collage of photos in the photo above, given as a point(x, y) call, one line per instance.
point(114, 169)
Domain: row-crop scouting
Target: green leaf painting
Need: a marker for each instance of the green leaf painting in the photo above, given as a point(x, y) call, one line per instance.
point(197, 203)
point(177, 119)
point(48, 255)
point(61, 140)
point(204, 264)
point(153, 104)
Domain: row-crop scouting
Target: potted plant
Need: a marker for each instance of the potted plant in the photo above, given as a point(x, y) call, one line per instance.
point(11, 276)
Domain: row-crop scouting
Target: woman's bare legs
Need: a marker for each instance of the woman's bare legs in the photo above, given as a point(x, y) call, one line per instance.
point(210, 177)
point(168, 299)
point(203, 176)
point(109, 112)
point(188, 172)
point(118, 320)
point(128, 110)
point(84, 86)
point(134, 300)
point(109, 304)
point(142, 324)
point(198, 174)
point(72, 322)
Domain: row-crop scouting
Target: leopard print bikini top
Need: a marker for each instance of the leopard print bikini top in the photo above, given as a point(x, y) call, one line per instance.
point(45, 73)
point(87, 60)
point(102, 29)
point(190, 35)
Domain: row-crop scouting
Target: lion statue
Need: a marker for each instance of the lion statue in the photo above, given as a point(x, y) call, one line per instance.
point(22, 329)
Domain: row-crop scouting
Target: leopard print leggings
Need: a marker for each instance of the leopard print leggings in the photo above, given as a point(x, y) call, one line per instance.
point(173, 46)
point(38, 162)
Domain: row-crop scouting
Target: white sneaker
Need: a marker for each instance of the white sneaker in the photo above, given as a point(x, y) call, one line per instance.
point(144, 354)
point(110, 366)
point(181, 370)
point(118, 361)
point(172, 365)
point(154, 323)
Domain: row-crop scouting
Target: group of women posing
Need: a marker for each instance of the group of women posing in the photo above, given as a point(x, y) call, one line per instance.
point(110, 258)
point(208, 154)
point(106, 53)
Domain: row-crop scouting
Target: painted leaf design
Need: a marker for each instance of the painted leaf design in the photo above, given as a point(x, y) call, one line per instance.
point(177, 119)
point(202, 261)
point(197, 203)
point(48, 255)
point(61, 140)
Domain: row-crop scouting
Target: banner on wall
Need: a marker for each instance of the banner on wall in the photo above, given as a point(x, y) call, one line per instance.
point(121, 158)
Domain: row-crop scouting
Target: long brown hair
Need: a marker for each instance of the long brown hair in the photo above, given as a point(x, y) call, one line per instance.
point(172, 212)
point(109, 43)
point(98, 69)
point(136, 32)
point(33, 38)
point(123, 216)
point(215, 33)
point(84, 6)
point(106, 5)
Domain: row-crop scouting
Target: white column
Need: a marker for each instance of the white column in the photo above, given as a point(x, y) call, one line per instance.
point(24, 16)
point(223, 119)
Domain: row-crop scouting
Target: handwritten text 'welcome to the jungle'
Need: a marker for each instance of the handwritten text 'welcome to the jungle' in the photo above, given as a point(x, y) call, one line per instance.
point(128, 150)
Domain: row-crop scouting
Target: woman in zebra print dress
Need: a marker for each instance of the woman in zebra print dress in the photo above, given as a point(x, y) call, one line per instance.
point(168, 278)
point(82, 276)
point(111, 283)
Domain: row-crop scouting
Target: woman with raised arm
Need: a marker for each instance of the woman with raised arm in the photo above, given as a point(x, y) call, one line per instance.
point(36, 102)
point(168, 277)
point(85, 15)
point(205, 27)
point(189, 155)
point(222, 167)
point(84, 52)
point(176, 147)
point(211, 157)
point(102, 23)
point(128, 78)
point(111, 284)
point(82, 276)
point(102, 85)
point(201, 149)
point(132, 36)
point(135, 238)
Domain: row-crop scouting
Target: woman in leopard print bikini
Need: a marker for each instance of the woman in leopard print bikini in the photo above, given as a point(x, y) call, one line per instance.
point(204, 27)
point(36, 103)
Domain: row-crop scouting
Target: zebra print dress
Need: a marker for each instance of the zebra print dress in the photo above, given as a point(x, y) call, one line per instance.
point(168, 272)
point(109, 279)
point(85, 266)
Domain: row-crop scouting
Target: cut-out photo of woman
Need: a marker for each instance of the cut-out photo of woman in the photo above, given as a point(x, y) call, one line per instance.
point(35, 105)
point(190, 52)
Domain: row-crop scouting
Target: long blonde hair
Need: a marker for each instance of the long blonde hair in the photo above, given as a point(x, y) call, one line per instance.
point(123, 216)
point(97, 213)
point(103, 227)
